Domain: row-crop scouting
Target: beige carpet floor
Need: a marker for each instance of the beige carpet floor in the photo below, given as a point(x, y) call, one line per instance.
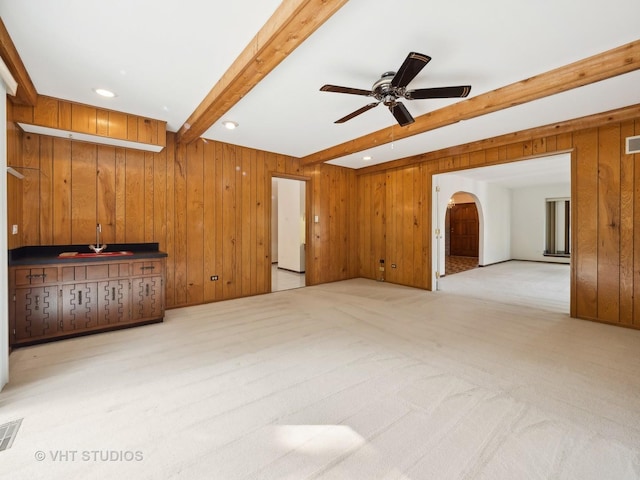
point(350, 380)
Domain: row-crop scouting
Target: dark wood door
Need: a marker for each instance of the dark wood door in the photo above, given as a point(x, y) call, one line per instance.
point(113, 302)
point(36, 312)
point(79, 306)
point(464, 230)
point(146, 298)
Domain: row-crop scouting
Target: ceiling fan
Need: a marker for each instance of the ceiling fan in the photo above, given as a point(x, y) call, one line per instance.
point(393, 85)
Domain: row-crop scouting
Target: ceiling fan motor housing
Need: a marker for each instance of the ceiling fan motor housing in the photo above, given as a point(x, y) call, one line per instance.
point(383, 91)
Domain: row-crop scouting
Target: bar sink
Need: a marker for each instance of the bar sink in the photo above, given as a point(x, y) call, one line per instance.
point(94, 254)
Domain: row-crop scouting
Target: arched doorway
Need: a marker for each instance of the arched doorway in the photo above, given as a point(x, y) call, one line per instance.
point(462, 233)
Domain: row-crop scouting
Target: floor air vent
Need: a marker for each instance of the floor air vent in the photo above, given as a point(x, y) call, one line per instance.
point(633, 144)
point(8, 432)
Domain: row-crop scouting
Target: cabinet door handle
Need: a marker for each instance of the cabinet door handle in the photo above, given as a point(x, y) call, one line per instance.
point(147, 268)
point(39, 275)
point(146, 288)
point(113, 293)
point(37, 306)
point(79, 297)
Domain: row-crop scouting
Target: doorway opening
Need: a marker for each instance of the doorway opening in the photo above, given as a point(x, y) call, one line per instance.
point(288, 233)
point(513, 230)
point(462, 233)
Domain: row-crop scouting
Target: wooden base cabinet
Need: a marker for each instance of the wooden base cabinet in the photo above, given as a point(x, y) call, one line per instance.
point(70, 299)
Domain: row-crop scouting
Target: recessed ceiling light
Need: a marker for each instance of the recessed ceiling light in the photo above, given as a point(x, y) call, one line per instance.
point(228, 124)
point(367, 157)
point(105, 93)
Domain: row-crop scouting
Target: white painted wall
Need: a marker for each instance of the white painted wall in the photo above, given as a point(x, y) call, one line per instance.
point(291, 224)
point(528, 221)
point(274, 220)
point(494, 213)
point(4, 273)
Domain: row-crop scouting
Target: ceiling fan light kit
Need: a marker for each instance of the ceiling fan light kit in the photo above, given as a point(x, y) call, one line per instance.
point(392, 86)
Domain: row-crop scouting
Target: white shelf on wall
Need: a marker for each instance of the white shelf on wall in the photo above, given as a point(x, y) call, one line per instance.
point(15, 173)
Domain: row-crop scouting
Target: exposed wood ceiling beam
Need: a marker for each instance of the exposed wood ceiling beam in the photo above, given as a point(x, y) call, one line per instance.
point(289, 26)
point(614, 116)
point(611, 63)
point(26, 93)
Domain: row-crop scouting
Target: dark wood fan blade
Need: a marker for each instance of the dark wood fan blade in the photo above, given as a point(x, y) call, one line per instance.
point(357, 112)
point(337, 89)
point(441, 92)
point(401, 114)
point(409, 69)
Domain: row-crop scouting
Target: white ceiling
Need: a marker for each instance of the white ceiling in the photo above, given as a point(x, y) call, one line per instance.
point(548, 170)
point(162, 57)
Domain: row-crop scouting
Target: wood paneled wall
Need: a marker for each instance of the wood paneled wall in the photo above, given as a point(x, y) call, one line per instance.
point(394, 211)
point(64, 115)
point(14, 197)
point(208, 205)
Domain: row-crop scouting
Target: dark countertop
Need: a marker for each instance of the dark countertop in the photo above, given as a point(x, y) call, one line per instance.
point(48, 254)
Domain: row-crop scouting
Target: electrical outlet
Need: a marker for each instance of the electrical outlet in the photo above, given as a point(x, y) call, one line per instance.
point(14, 230)
point(214, 278)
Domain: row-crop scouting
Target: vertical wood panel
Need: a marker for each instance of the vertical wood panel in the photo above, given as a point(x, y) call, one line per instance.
point(263, 224)
point(117, 125)
point(31, 187)
point(393, 248)
point(107, 193)
point(365, 194)
point(14, 185)
point(329, 185)
point(102, 122)
point(62, 191)
point(148, 189)
point(134, 197)
point(120, 185)
point(46, 190)
point(254, 259)
point(586, 261)
point(378, 241)
point(218, 233)
point(83, 119)
point(159, 223)
point(83, 193)
point(609, 224)
point(46, 112)
point(342, 239)
point(419, 217)
point(209, 222)
point(636, 236)
point(238, 274)
point(132, 128)
point(180, 182)
point(229, 222)
point(195, 222)
point(408, 222)
point(64, 115)
point(627, 174)
point(170, 225)
point(247, 219)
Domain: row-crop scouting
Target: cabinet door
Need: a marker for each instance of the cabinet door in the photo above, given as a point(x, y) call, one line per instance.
point(113, 302)
point(35, 312)
point(147, 298)
point(79, 306)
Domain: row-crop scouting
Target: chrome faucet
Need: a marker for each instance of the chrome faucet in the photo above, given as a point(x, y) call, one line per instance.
point(97, 247)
